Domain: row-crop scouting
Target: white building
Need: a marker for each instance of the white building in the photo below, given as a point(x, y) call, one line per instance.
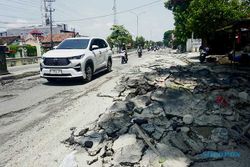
point(24, 31)
point(193, 45)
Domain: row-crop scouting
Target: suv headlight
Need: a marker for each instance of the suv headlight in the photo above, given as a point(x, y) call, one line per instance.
point(77, 57)
point(42, 59)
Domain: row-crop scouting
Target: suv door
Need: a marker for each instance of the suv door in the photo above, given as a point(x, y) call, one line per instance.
point(97, 52)
point(104, 51)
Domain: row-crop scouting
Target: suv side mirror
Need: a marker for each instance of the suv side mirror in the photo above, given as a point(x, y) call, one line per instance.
point(94, 47)
point(55, 47)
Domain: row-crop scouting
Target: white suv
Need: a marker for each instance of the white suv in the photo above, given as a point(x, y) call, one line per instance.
point(77, 58)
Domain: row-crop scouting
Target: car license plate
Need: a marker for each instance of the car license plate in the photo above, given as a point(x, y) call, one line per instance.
point(56, 72)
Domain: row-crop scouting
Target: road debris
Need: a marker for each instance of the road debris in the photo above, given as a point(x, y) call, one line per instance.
point(173, 114)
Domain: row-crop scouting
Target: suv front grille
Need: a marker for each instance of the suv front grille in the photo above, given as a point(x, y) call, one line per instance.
point(56, 61)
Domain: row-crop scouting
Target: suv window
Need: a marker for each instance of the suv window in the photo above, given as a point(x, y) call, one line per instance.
point(74, 44)
point(103, 44)
point(99, 42)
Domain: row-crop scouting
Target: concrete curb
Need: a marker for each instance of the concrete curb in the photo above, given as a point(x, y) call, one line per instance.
point(18, 76)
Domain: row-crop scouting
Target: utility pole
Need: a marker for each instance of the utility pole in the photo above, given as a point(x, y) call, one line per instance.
point(42, 12)
point(115, 12)
point(151, 34)
point(137, 22)
point(50, 10)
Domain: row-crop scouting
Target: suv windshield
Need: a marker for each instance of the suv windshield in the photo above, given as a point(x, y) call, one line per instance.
point(74, 44)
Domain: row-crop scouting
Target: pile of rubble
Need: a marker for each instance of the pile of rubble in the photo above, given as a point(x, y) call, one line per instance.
point(170, 117)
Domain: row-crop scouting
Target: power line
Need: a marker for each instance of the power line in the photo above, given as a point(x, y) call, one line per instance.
point(23, 3)
point(69, 11)
point(7, 22)
point(107, 15)
point(27, 1)
point(64, 14)
point(15, 7)
point(16, 17)
point(87, 18)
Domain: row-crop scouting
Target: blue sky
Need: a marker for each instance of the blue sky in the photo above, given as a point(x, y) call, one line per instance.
point(154, 19)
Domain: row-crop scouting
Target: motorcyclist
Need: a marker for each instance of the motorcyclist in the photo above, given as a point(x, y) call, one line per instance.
point(124, 57)
point(139, 51)
point(204, 51)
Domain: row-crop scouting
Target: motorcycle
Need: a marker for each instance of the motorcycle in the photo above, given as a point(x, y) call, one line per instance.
point(203, 54)
point(140, 54)
point(124, 57)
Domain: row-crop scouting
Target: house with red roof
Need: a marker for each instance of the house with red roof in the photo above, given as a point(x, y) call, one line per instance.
point(56, 38)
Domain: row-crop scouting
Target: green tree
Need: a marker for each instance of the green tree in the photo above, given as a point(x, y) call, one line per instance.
point(31, 50)
point(167, 38)
point(119, 36)
point(159, 43)
point(206, 16)
point(180, 12)
point(140, 41)
point(13, 50)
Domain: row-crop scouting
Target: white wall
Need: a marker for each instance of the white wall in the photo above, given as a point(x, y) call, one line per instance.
point(193, 45)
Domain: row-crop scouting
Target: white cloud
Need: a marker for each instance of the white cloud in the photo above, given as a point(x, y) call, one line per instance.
point(18, 23)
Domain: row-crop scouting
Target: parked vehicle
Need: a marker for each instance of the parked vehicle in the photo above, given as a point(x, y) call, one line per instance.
point(203, 54)
point(77, 58)
point(242, 56)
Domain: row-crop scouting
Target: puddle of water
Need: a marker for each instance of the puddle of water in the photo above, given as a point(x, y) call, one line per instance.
point(203, 131)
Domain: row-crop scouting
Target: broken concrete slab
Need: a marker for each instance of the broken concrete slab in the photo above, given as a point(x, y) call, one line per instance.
point(243, 96)
point(141, 101)
point(177, 141)
point(220, 135)
point(170, 156)
point(158, 133)
point(91, 140)
point(124, 140)
point(209, 120)
point(120, 106)
point(148, 128)
point(195, 145)
point(185, 129)
point(153, 110)
point(112, 122)
point(127, 150)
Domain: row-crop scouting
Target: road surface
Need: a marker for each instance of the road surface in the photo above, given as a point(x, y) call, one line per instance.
point(35, 116)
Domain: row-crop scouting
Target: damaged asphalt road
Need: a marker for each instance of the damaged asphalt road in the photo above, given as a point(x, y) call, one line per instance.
point(172, 115)
point(35, 116)
point(155, 111)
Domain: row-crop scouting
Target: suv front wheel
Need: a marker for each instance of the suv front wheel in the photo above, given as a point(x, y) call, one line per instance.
point(89, 73)
point(109, 66)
